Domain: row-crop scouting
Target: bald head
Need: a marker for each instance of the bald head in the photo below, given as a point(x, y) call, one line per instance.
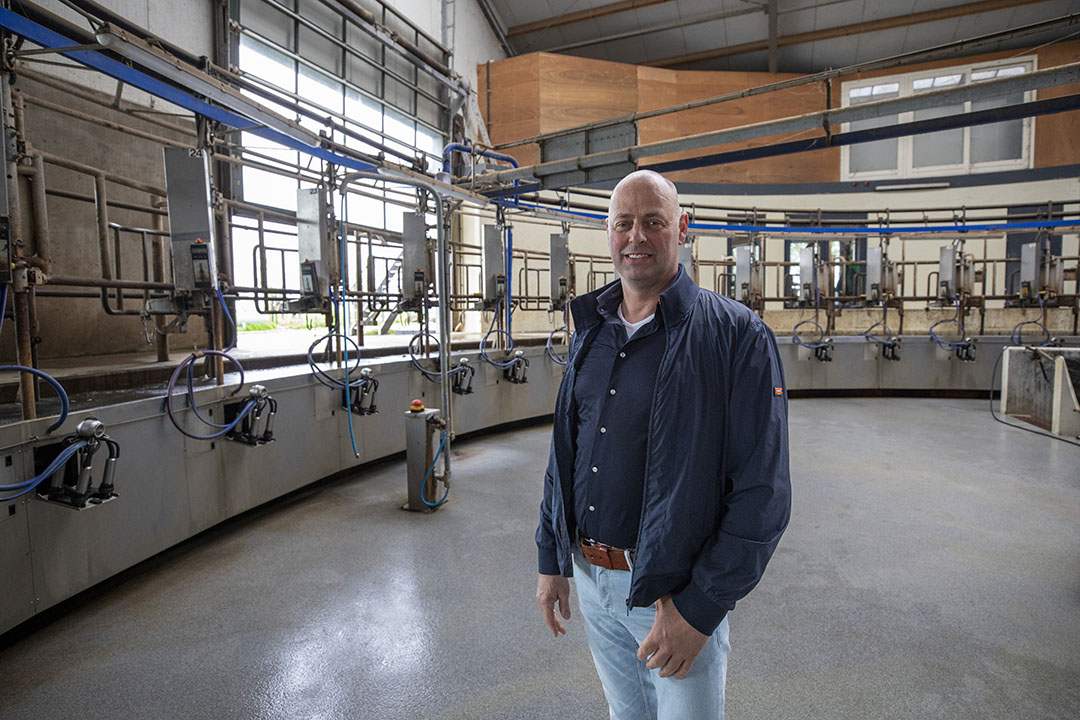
point(664, 188)
point(645, 228)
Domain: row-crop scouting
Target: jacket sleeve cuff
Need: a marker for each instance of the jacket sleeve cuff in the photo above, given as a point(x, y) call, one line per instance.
point(697, 609)
point(548, 561)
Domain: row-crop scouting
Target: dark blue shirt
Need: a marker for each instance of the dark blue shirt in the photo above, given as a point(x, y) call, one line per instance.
point(613, 396)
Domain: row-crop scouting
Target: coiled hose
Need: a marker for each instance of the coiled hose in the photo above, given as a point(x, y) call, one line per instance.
point(432, 376)
point(483, 343)
point(950, 345)
point(889, 338)
point(185, 365)
point(325, 378)
point(1016, 337)
point(820, 342)
point(549, 347)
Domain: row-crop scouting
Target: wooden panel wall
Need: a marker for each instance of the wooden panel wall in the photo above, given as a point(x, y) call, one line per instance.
point(1057, 137)
point(693, 85)
point(573, 92)
point(510, 102)
point(542, 92)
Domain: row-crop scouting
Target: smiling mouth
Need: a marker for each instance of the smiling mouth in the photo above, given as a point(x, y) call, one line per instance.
point(637, 256)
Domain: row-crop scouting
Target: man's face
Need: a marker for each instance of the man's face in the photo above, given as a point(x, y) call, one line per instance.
point(645, 228)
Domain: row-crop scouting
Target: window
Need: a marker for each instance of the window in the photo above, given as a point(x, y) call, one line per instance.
point(306, 53)
point(983, 148)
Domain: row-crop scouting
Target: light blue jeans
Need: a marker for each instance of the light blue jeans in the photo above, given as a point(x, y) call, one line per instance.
point(632, 690)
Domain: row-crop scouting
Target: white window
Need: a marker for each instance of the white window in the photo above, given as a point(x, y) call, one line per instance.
point(983, 148)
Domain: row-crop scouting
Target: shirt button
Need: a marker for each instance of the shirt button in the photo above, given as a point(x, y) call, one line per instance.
point(603, 430)
point(595, 469)
point(622, 354)
point(592, 508)
point(612, 391)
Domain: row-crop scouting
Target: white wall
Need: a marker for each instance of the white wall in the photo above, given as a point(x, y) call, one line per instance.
point(474, 40)
point(186, 24)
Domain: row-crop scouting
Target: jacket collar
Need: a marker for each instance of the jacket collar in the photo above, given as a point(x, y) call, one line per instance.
point(675, 301)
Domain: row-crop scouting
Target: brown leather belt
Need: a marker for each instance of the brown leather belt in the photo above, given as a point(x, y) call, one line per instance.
point(606, 556)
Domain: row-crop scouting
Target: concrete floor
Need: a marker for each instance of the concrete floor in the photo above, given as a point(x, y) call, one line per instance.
point(931, 570)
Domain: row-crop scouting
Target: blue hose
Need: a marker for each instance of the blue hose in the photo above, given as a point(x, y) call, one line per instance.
point(1016, 337)
point(57, 463)
point(65, 405)
point(955, 320)
point(232, 323)
point(869, 332)
point(191, 397)
point(322, 376)
point(483, 342)
point(432, 376)
point(819, 343)
point(224, 429)
point(549, 347)
point(423, 486)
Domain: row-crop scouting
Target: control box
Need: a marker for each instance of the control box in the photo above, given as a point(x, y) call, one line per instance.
point(416, 266)
point(493, 265)
point(561, 285)
point(748, 285)
point(313, 241)
point(955, 274)
point(191, 219)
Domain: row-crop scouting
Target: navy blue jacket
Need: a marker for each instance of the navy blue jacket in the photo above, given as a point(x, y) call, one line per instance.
point(717, 493)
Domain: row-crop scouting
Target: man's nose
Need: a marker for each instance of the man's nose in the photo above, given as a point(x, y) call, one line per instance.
point(637, 234)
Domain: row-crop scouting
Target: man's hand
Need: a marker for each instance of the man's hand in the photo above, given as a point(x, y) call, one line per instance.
point(672, 644)
point(549, 590)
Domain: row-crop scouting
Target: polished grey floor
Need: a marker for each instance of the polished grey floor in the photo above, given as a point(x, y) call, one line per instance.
point(931, 570)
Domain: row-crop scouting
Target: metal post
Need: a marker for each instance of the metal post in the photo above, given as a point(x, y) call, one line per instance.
point(161, 340)
point(442, 273)
point(25, 354)
point(774, 55)
point(41, 218)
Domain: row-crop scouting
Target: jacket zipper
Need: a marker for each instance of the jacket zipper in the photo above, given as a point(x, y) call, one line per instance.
point(563, 532)
point(648, 453)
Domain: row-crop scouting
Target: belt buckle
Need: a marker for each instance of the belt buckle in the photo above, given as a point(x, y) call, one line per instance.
point(596, 553)
point(603, 555)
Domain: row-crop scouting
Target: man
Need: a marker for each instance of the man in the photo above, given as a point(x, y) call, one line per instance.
point(667, 486)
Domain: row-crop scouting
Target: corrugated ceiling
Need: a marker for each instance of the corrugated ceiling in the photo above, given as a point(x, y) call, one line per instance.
point(665, 30)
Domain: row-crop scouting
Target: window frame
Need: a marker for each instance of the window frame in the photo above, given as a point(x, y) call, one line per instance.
point(905, 145)
point(388, 106)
